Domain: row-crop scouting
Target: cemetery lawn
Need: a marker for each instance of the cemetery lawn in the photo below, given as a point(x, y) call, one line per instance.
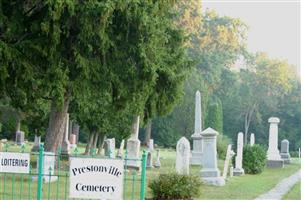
point(242, 188)
point(294, 193)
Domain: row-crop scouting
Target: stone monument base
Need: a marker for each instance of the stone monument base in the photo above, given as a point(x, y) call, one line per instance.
point(275, 163)
point(238, 172)
point(286, 158)
point(210, 173)
point(196, 158)
point(216, 181)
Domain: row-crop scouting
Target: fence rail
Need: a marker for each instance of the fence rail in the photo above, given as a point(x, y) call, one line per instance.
point(54, 183)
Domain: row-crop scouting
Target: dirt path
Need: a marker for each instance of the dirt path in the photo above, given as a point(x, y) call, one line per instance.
point(281, 188)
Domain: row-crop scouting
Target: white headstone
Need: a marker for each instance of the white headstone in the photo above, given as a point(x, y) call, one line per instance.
point(273, 155)
point(158, 162)
point(183, 154)
point(252, 139)
point(133, 146)
point(239, 156)
point(196, 154)
point(110, 147)
point(285, 155)
point(151, 145)
point(227, 161)
point(66, 144)
point(210, 173)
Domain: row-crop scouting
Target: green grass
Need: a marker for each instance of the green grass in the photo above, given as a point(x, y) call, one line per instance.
point(294, 193)
point(244, 187)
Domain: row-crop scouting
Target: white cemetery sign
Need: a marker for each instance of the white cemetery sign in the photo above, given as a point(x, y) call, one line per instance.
point(96, 178)
point(14, 162)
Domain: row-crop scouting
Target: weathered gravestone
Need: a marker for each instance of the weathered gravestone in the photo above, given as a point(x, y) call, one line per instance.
point(120, 150)
point(228, 159)
point(149, 162)
point(183, 155)
point(133, 146)
point(284, 153)
point(210, 173)
point(72, 141)
point(158, 162)
point(110, 147)
point(66, 143)
point(20, 137)
point(197, 147)
point(238, 170)
point(37, 143)
point(48, 168)
point(252, 139)
point(75, 131)
point(151, 145)
point(274, 158)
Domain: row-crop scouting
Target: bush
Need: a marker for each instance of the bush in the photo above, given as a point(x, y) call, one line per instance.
point(222, 144)
point(175, 186)
point(254, 159)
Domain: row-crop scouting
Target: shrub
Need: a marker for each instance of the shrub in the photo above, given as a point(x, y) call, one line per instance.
point(175, 186)
point(254, 159)
point(222, 144)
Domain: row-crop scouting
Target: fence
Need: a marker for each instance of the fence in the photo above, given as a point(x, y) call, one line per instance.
point(54, 183)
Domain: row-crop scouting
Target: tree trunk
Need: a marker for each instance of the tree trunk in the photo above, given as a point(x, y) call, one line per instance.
point(148, 132)
point(56, 127)
point(135, 127)
point(89, 144)
point(101, 140)
point(95, 140)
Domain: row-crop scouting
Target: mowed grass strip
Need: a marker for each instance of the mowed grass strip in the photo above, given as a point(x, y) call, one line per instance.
point(294, 193)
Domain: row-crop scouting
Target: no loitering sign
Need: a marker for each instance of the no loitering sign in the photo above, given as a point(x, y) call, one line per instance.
point(14, 162)
point(92, 178)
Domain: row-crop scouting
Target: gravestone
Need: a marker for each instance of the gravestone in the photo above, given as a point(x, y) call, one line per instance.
point(151, 145)
point(273, 155)
point(20, 136)
point(183, 154)
point(197, 146)
point(158, 162)
point(110, 147)
point(133, 146)
point(37, 143)
point(238, 170)
point(72, 141)
point(120, 150)
point(75, 131)
point(149, 162)
point(284, 151)
point(210, 174)
point(66, 143)
point(229, 155)
point(49, 168)
point(252, 139)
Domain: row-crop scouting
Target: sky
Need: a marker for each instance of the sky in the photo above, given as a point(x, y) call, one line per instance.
point(274, 25)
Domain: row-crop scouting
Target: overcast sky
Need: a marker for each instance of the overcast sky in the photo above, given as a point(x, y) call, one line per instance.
point(274, 25)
